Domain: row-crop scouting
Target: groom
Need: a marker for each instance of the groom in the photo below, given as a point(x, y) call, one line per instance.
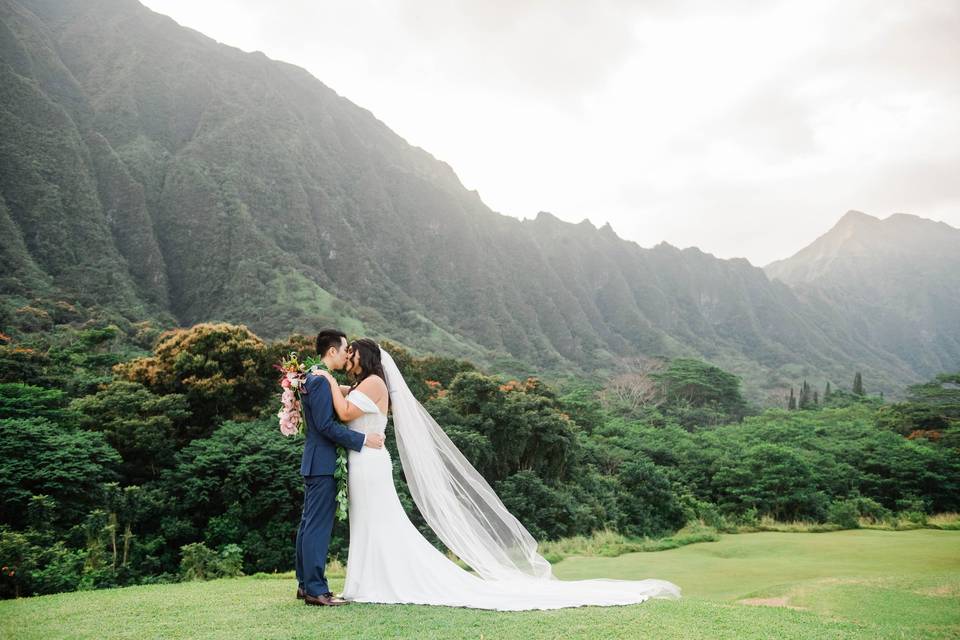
point(323, 433)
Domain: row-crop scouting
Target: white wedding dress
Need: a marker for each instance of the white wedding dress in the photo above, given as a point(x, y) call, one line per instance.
point(389, 561)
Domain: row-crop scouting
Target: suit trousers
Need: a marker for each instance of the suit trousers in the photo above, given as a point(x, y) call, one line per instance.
point(313, 536)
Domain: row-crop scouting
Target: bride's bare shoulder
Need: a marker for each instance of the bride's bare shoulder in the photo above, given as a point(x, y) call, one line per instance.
point(375, 388)
point(372, 382)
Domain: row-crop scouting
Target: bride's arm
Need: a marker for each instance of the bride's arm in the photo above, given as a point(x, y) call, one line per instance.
point(345, 409)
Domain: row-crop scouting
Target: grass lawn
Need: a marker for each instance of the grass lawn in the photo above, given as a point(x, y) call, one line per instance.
point(845, 584)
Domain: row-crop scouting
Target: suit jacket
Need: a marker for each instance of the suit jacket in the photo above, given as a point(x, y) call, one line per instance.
point(323, 431)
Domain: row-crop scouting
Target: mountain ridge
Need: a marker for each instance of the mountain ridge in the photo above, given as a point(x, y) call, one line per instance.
point(854, 226)
point(899, 277)
point(214, 184)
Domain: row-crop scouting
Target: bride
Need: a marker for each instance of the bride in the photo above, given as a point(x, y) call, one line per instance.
point(389, 560)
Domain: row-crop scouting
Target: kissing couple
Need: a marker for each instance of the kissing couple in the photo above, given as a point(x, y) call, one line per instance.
point(388, 560)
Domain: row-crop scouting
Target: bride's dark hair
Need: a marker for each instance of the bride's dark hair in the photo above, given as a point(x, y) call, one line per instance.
point(370, 363)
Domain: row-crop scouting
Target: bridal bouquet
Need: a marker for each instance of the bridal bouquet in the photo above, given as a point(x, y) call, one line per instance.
point(291, 409)
point(293, 383)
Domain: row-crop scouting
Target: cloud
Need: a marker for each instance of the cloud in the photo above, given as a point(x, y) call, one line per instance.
point(553, 50)
point(745, 129)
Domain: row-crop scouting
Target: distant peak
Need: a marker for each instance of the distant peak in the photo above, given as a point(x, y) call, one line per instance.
point(663, 244)
point(906, 216)
point(546, 216)
point(857, 216)
point(851, 223)
point(907, 221)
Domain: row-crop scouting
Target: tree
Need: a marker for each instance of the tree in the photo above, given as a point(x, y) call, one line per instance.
point(806, 399)
point(18, 400)
point(39, 457)
point(31, 566)
point(18, 364)
point(858, 384)
point(145, 428)
point(544, 510)
point(427, 376)
point(584, 408)
point(931, 410)
point(942, 392)
point(637, 389)
point(792, 403)
point(223, 370)
point(124, 507)
point(522, 422)
point(240, 486)
point(699, 384)
point(772, 478)
point(648, 503)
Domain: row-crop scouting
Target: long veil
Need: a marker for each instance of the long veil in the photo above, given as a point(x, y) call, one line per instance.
point(454, 499)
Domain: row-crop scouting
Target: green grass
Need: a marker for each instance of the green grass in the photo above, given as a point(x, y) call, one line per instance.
point(845, 584)
point(610, 544)
point(295, 290)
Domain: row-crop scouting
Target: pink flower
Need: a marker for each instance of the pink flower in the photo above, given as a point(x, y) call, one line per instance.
point(290, 415)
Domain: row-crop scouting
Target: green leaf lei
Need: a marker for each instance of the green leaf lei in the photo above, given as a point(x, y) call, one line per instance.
point(340, 471)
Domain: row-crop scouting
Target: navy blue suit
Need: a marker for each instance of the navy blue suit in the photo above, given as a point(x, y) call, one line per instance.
point(319, 461)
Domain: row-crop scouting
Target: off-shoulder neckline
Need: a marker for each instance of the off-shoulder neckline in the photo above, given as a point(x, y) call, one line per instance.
point(368, 399)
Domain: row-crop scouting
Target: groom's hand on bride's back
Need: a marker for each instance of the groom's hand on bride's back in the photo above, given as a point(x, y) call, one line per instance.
point(374, 440)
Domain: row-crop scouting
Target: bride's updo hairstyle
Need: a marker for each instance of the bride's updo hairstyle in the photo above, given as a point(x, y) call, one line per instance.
point(370, 363)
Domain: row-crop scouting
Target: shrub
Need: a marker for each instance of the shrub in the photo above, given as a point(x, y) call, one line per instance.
point(231, 561)
point(201, 563)
point(844, 513)
point(913, 510)
point(706, 512)
point(871, 511)
point(748, 518)
point(197, 562)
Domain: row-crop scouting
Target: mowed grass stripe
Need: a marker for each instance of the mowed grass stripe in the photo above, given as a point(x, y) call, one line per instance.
point(847, 584)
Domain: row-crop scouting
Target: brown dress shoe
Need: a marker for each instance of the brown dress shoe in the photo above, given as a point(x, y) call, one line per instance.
point(338, 599)
point(323, 601)
point(300, 593)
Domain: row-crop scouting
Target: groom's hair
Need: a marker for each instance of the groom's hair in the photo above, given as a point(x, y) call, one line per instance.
point(329, 338)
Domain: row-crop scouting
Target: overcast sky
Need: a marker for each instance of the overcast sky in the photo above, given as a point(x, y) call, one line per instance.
point(745, 129)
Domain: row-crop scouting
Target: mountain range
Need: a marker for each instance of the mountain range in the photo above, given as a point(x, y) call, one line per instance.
point(894, 283)
point(151, 171)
